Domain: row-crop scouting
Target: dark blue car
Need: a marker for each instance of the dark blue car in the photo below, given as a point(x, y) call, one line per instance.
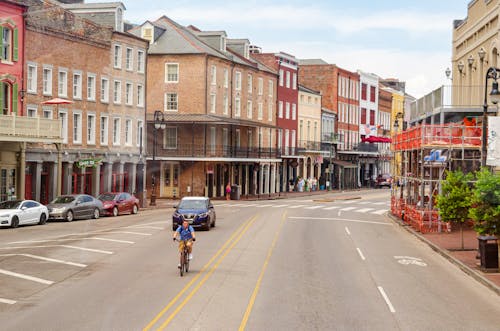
point(198, 211)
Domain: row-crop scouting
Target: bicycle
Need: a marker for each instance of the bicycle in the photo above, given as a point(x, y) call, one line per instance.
point(184, 258)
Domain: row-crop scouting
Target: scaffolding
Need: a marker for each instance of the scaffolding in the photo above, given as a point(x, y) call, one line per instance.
point(422, 154)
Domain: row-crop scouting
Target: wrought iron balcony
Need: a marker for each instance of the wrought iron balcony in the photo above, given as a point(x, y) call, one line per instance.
point(366, 147)
point(306, 145)
point(332, 138)
point(211, 151)
point(29, 129)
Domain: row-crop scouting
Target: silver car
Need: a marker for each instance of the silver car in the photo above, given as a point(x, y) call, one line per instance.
point(75, 206)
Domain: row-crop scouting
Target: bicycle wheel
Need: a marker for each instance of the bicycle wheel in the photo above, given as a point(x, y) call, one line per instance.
point(186, 263)
point(181, 269)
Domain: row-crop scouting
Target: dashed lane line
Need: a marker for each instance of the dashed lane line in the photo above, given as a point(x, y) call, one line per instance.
point(43, 258)
point(386, 298)
point(7, 301)
point(26, 277)
point(63, 246)
point(360, 254)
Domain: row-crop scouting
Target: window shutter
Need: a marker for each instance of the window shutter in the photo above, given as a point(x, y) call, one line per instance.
point(1, 42)
point(2, 110)
point(14, 55)
point(14, 98)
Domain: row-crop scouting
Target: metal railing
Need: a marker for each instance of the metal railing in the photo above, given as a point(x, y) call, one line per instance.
point(366, 147)
point(332, 138)
point(199, 150)
point(306, 145)
point(23, 128)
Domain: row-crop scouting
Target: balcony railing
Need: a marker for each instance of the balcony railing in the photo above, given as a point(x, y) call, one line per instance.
point(306, 145)
point(366, 147)
point(29, 129)
point(332, 138)
point(196, 151)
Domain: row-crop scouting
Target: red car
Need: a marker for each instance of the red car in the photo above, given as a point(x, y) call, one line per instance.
point(116, 203)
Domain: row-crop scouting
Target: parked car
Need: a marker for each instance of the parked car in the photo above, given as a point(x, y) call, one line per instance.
point(115, 203)
point(198, 211)
point(75, 206)
point(20, 212)
point(384, 180)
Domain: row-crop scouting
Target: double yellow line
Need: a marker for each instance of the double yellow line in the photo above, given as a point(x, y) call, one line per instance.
point(228, 245)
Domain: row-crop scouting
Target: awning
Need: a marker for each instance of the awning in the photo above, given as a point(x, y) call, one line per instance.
point(373, 139)
point(344, 164)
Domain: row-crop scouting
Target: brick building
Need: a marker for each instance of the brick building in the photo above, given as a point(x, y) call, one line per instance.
point(218, 109)
point(100, 74)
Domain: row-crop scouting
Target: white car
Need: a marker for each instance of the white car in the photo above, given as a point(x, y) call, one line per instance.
point(20, 212)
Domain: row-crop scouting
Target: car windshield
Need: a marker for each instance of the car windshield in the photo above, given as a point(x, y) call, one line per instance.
point(14, 204)
point(107, 197)
point(63, 199)
point(192, 204)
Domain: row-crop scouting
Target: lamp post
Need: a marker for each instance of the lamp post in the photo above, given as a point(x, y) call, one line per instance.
point(159, 123)
point(492, 73)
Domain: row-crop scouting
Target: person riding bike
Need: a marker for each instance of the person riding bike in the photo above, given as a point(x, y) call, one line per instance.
point(186, 235)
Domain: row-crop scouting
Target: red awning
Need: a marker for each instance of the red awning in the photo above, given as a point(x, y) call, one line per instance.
point(373, 139)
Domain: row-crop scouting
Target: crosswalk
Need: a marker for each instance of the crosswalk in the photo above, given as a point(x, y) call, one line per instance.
point(357, 206)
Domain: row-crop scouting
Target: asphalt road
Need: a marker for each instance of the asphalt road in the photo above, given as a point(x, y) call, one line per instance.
point(314, 263)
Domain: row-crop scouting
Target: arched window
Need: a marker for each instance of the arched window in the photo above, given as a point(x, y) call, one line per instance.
point(9, 42)
point(7, 102)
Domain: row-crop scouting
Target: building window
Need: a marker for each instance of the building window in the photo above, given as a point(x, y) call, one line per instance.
point(104, 130)
point(32, 78)
point(287, 110)
point(250, 83)
point(294, 81)
point(129, 94)
point(104, 90)
point(7, 43)
point(214, 75)
point(62, 84)
point(63, 117)
point(270, 112)
point(116, 131)
point(140, 96)
point(140, 61)
point(140, 132)
point(213, 104)
point(363, 116)
point(77, 86)
point(281, 77)
point(128, 132)
point(363, 91)
point(261, 86)
point(172, 70)
point(280, 109)
point(171, 102)
point(91, 87)
point(213, 139)
point(249, 109)
point(238, 138)
point(238, 81)
point(237, 107)
point(47, 81)
point(91, 129)
point(117, 92)
point(271, 89)
point(226, 104)
point(129, 59)
point(47, 113)
point(294, 111)
point(373, 93)
point(117, 57)
point(226, 78)
point(260, 111)
point(31, 111)
point(288, 79)
point(170, 138)
point(372, 117)
point(77, 128)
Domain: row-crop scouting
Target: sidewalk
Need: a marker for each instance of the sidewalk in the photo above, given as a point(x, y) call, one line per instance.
point(448, 244)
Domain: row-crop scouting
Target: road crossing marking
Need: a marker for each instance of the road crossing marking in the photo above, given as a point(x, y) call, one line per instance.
point(364, 210)
point(379, 212)
point(7, 301)
point(313, 207)
point(145, 227)
point(128, 232)
point(280, 206)
point(64, 246)
point(27, 277)
point(332, 207)
point(349, 201)
point(113, 240)
point(297, 206)
point(348, 208)
point(379, 203)
point(74, 239)
point(43, 258)
point(263, 206)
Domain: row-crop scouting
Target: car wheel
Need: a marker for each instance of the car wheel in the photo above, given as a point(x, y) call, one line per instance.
point(115, 211)
point(96, 213)
point(213, 223)
point(15, 222)
point(70, 216)
point(207, 227)
point(43, 219)
point(135, 209)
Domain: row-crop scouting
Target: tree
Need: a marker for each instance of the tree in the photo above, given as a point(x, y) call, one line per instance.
point(455, 201)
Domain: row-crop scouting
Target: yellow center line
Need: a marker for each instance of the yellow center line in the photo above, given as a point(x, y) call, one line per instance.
point(188, 285)
point(261, 276)
point(186, 300)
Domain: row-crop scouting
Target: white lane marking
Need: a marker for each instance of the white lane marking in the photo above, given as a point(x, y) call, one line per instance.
point(27, 277)
point(347, 230)
point(338, 219)
point(387, 301)
point(7, 301)
point(280, 206)
point(263, 206)
point(48, 259)
point(349, 201)
point(145, 227)
point(379, 212)
point(406, 260)
point(330, 208)
point(297, 206)
point(361, 254)
point(128, 232)
point(114, 240)
point(64, 246)
point(379, 203)
point(314, 207)
point(364, 210)
point(348, 208)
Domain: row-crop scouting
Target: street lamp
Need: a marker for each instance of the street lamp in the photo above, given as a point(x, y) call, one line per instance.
point(492, 73)
point(159, 123)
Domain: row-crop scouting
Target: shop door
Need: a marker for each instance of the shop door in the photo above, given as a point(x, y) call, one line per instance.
point(170, 180)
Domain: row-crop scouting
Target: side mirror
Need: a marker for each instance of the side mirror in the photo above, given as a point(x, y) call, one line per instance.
point(24, 208)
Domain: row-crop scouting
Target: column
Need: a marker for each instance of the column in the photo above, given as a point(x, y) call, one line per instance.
point(108, 173)
point(261, 179)
point(247, 179)
point(38, 179)
point(132, 178)
point(273, 178)
point(58, 173)
point(55, 180)
point(68, 176)
point(20, 193)
point(96, 180)
point(121, 167)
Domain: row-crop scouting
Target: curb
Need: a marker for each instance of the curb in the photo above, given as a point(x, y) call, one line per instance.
point(469, 271)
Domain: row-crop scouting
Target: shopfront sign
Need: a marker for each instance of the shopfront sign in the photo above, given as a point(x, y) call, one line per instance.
point(88, 163)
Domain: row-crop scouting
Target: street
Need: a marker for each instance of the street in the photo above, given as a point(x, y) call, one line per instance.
point(324, 262)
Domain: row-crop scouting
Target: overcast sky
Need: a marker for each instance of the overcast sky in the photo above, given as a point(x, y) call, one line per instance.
point(408, 40)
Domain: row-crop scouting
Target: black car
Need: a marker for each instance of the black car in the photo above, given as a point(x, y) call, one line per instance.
point(198, 211)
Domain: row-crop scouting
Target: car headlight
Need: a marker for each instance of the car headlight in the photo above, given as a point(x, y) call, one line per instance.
point(176, 215)
point(57, 210)
point(203, 215)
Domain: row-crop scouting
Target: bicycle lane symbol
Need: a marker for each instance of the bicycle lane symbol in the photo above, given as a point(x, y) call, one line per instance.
point(407, 260)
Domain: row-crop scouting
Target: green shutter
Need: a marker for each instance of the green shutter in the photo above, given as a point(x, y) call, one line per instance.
point(15, 100)
point(1, 42)
point(14, 56)
point(1, 99)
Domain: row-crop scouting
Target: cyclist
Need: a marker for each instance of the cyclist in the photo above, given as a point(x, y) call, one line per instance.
point(186, 232)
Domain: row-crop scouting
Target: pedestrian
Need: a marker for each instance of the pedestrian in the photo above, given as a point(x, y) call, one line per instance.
point(228, 191)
